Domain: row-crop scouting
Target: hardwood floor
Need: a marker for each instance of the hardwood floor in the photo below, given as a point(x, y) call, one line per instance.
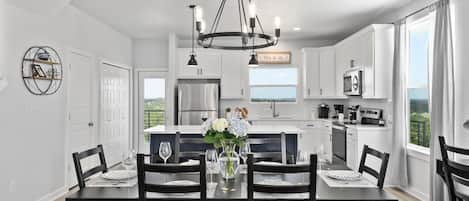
point(401, 195)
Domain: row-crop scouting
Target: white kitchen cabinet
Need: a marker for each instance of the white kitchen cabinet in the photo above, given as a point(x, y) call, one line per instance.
point(327, 72)
point(351, 152)
point(378, 138)
point(344, 55)
point(317, 134)
point(232, 79)
point(370, 49)
point(209, 64)
point(311, 73)
point(319, 73)
point(327, 139)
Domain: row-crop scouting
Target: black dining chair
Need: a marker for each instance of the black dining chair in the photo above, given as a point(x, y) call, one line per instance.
point(144, 187)
point(379, 175)
point(310, 168)
point(77, 157)
point(455, 173)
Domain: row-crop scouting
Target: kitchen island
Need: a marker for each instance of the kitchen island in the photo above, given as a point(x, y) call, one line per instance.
point(271, 142)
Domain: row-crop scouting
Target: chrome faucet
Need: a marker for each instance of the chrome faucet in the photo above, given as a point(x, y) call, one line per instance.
point(273, 107)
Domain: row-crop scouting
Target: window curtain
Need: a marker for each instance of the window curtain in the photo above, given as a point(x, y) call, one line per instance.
point(442, 93)
point(398, 162)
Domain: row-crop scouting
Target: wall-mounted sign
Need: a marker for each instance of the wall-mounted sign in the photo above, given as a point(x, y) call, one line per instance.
point(274, 57)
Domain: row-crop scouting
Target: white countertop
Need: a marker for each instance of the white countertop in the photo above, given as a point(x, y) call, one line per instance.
point(254, 129)
point(330, 120)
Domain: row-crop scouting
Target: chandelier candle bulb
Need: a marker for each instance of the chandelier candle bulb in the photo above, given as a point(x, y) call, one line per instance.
point(252, 9)
point(199, 14)
point(202, 26)
point(277, 22)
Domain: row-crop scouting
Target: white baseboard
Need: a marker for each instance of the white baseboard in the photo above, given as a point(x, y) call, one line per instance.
point(416, 193)
point(54, 195)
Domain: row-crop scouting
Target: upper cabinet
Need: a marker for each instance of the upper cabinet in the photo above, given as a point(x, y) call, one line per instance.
point(319, 73)
point(232, 79)
point(230, 67)
point(209, 64)
point(371, 49)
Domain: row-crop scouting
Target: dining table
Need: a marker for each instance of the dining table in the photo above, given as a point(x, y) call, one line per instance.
point(236, 189)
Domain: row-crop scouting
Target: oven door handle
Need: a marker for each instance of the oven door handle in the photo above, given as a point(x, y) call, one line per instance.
point(339, 128)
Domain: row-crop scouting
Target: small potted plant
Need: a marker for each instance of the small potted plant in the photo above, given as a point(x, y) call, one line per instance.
point(226, 134)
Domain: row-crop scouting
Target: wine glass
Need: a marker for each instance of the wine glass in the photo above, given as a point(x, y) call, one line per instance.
point(244, 150)
point(165, 151)
point(321, 156)
point(211, 160)
point(204, 116)
point(302, 157)
point(129, 161)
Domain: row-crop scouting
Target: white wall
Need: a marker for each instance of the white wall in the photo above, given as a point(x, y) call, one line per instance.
point(32, 127)
point(150, 53)
point(461, 48)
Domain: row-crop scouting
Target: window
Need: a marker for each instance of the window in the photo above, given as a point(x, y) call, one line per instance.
point(153, 102)
point(420, 53)
point(273, 84)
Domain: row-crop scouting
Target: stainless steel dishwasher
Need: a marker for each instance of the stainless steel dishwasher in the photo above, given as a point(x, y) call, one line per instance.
point(339, 141)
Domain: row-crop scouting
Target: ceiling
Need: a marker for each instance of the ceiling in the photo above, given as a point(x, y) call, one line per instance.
point(318, 19)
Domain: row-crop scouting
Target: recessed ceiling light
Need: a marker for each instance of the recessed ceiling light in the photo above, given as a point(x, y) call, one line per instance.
point(296, 29)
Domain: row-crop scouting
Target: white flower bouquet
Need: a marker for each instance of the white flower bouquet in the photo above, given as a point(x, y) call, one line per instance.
point(221, 132)
point(227, 134)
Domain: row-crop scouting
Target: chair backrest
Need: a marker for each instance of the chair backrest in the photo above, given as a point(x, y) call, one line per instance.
point(310, 168)
point(144, 187)
point(263, 141)
point(378, 174)
point(194, 147)
point(454, 172)
point(77, 157)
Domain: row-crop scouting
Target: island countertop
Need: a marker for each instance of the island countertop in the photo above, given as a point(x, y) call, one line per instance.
point(254, 129)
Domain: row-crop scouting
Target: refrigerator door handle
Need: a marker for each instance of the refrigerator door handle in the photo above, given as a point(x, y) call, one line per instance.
point(179, 107)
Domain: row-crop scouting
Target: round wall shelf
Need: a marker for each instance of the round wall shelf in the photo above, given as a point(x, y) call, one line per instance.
point(42, 70)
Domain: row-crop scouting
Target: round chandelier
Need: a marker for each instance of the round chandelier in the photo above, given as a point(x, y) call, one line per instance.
point(251, 34)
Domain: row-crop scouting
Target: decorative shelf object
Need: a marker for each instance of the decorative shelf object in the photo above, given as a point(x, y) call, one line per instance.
point(42, 70)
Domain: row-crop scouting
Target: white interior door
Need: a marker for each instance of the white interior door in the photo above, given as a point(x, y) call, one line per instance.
point(152, 107)
point(80, 131)
point(115, 112)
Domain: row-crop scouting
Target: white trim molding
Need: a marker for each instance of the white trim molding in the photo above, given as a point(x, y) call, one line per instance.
point(54, 195)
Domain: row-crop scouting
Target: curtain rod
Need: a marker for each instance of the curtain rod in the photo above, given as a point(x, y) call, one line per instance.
point(432, 5)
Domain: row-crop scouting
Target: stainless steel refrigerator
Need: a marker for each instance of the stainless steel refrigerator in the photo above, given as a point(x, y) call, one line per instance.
point(197, 99)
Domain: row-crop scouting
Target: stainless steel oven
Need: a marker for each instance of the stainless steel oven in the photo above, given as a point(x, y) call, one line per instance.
point(353, 81)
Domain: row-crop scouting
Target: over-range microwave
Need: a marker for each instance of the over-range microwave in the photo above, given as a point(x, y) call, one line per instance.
point(353, 82)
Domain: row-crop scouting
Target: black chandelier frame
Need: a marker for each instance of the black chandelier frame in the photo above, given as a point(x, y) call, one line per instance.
point(206, 40)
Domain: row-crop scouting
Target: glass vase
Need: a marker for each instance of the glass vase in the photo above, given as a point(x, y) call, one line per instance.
point(229, 161)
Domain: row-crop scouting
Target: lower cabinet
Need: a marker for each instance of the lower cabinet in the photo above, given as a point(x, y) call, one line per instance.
point(376, 138)
point(316, 137)
point(352, 149)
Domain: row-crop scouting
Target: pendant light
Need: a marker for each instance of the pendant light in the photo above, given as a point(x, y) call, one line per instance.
point(192, 61)
point(253, 60)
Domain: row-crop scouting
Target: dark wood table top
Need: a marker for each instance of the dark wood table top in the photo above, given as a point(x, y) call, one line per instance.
point(234, 189)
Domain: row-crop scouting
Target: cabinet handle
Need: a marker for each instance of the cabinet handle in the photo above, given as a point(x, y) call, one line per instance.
point(309, 91)
point(201, 71)
point(310, 125)
point(320, 91)
point(242, 92)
